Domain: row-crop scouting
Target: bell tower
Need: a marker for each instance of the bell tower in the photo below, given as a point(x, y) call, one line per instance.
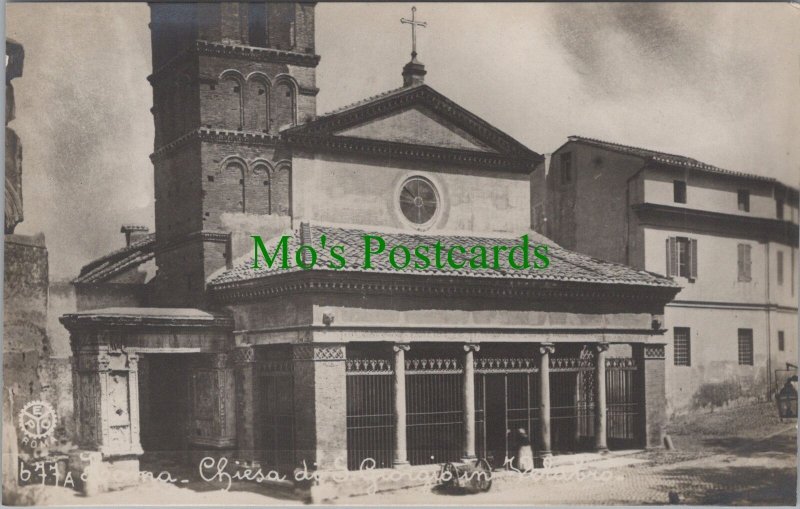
point(227, 78)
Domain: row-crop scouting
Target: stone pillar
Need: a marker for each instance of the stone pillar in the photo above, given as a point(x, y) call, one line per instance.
point(400, 445)
point(106, 404)
point(320, 396)
point(545, 350)
point(244, 359)
point(650, 383)
point(469, 401)
point(600, 440)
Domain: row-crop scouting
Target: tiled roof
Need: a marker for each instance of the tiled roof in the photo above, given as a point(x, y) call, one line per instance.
point(362, 102)
point(564, 265)
point(140, 251)
point(665, 158)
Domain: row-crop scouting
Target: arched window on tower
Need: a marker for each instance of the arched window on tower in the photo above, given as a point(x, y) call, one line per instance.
point(284, 101)
point(258, 103)
point(259, 189)
point(231, 95)
point(232, 186)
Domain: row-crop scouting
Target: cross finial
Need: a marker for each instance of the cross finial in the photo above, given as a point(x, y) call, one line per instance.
point(414, 24)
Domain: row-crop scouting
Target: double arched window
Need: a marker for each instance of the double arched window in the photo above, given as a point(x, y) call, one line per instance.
point(258, 187)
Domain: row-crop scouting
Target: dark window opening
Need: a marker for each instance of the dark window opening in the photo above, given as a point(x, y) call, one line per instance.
point(210, 178)
point(779, 208)
point(679, 191)
point(744, 200)
point(241, 181)
point(212, 87)
point(780, 267)
point(266, 182)
point(682, 346)
point(781, 341)
point(745, 347)
point(237, 89)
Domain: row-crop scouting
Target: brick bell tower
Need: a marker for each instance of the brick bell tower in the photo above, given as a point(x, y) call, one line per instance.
point(227, 77)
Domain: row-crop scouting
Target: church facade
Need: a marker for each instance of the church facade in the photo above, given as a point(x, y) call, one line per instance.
point(335, 368)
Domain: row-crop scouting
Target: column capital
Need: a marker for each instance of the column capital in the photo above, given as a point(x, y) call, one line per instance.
point(547, 348)
point(601, 347)
point(472, 347)
point(401, 346)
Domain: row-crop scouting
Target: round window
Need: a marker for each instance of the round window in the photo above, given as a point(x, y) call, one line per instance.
point(418, 200)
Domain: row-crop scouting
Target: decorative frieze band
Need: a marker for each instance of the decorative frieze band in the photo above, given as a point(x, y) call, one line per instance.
point(243, 355)
point(432, 366)
point(517, 365)
point(654, 352)
point(368, 367)
point(275, 367)
point(318, 353)
point(571, 363)
point(621, 363)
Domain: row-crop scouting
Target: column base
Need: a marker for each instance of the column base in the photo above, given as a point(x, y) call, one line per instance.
point(546, 454)
point(400, 464)
point(601, 450)
point(468, 459)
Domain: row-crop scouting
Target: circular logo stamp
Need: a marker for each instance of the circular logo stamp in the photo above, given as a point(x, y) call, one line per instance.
point(37, 420)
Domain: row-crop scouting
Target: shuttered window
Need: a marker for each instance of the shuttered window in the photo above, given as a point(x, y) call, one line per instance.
point(682, 346)
point(682, 257)
point(743, 262)
point(745, 347)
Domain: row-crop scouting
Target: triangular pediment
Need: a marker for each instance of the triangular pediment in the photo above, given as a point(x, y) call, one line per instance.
point(419, 126)
point(415, 122)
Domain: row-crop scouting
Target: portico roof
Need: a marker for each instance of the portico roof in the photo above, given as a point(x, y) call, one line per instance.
point(565, 265)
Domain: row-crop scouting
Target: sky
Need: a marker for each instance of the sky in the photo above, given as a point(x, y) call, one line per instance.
point(717, 82)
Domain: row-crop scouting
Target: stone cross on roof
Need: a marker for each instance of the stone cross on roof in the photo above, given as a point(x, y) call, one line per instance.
point(414, 24)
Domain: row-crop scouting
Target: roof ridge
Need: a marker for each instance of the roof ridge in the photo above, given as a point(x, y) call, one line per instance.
point(669, 158)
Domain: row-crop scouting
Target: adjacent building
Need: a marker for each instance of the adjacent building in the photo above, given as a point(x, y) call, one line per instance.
point(728, 238)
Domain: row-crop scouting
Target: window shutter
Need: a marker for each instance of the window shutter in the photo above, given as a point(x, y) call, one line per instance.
point(671, 258)
point(693, 259)
point(747, 261)
point(740, 261)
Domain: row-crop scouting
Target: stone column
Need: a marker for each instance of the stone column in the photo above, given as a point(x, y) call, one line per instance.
point(400, 445)
point(650, 383)
point(320, 402)
point(469, 401)
point(244, 361)
point(545, 350)
point(600, 398)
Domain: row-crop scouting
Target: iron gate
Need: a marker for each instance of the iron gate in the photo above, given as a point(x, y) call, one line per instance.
point(435, 410)
point(277, 414)
point(370, 412)
point(519, 405)
point(572, 405)
point(622, 402)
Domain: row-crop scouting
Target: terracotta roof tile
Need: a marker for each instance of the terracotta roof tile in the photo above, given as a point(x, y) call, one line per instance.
point(564, 265)
point(670, 159)
point(140, 251)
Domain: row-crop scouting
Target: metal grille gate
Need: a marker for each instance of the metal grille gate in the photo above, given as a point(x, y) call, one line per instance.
point(277, 414)
point(370, 407)
point(519, 383)
point(622, 402)
point(572, 404)
point(435, 406)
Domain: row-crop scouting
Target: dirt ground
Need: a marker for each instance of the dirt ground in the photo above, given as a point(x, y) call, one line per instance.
point(740, 456)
